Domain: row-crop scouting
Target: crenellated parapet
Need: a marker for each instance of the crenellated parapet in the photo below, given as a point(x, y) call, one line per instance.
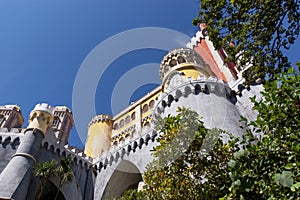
point(12, 139)
point(129, 146)
point(202, 85)
point(101, 118)
point(215, 58)
point(196, 39)
point(78, 155)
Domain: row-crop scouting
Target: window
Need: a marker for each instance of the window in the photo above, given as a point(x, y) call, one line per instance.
point(151, 104)
point(2, 119)
point(122, 123)
point(181, 59)
point(56, 121)
point(133, 116)
point(173, 62)
point(145, 108)
point(127, 119)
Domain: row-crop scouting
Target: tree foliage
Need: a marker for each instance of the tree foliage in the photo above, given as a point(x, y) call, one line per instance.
point(263, 164)
point(48, 169)
point(183, 168)
point(260, 29)
point(270, 168)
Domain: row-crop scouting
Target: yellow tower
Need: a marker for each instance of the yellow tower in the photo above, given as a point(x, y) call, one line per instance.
point(99, 135)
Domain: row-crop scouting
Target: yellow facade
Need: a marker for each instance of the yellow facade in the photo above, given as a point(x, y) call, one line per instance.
point(99, 138)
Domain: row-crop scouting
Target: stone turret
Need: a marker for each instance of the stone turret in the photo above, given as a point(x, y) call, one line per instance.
point(182, 64)
point(99, 135)
point(62, 123)
point(16, 176)
point(41, 117)
point(184, 60)
point(190, 82)
point(11, 117)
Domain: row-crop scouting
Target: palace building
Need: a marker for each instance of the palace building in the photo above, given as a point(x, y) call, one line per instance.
point(118, 148)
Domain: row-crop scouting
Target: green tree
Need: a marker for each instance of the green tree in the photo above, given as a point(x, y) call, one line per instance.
point(44, 171)
point(270, 168)
point(48, 169)
point(260, 29)
point(134, 194)
point(263, 164)
point(191, 161)
point(64, 172)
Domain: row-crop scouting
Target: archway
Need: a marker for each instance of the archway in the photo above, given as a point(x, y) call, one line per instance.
point(69, 190)
point(126, 176)
point(49, 191)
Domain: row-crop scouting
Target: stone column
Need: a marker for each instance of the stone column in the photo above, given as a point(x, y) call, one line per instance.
point(16, 176)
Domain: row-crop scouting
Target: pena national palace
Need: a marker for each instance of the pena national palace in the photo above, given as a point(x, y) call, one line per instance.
point(118, 148)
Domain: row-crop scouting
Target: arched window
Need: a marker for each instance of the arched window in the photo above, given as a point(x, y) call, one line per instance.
point(121, 123)
point(116, 126)
point(151, 104)
point(133, 116)
point(147, 124)
point(145, 108)
point(115, 143)
point(2, 119)
point(127, 119)
point(56, 121)
point(122, 139)
point(181, 59)
point(173, 62)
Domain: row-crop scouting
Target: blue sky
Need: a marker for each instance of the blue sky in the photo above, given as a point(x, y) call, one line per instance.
point(44, 43)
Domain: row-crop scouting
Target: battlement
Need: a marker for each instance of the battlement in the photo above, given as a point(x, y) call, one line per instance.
point(44, 107)
point(63, 109)
point(215, 58)
point(101, 118)
point(79, 157)
point(12, 139)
